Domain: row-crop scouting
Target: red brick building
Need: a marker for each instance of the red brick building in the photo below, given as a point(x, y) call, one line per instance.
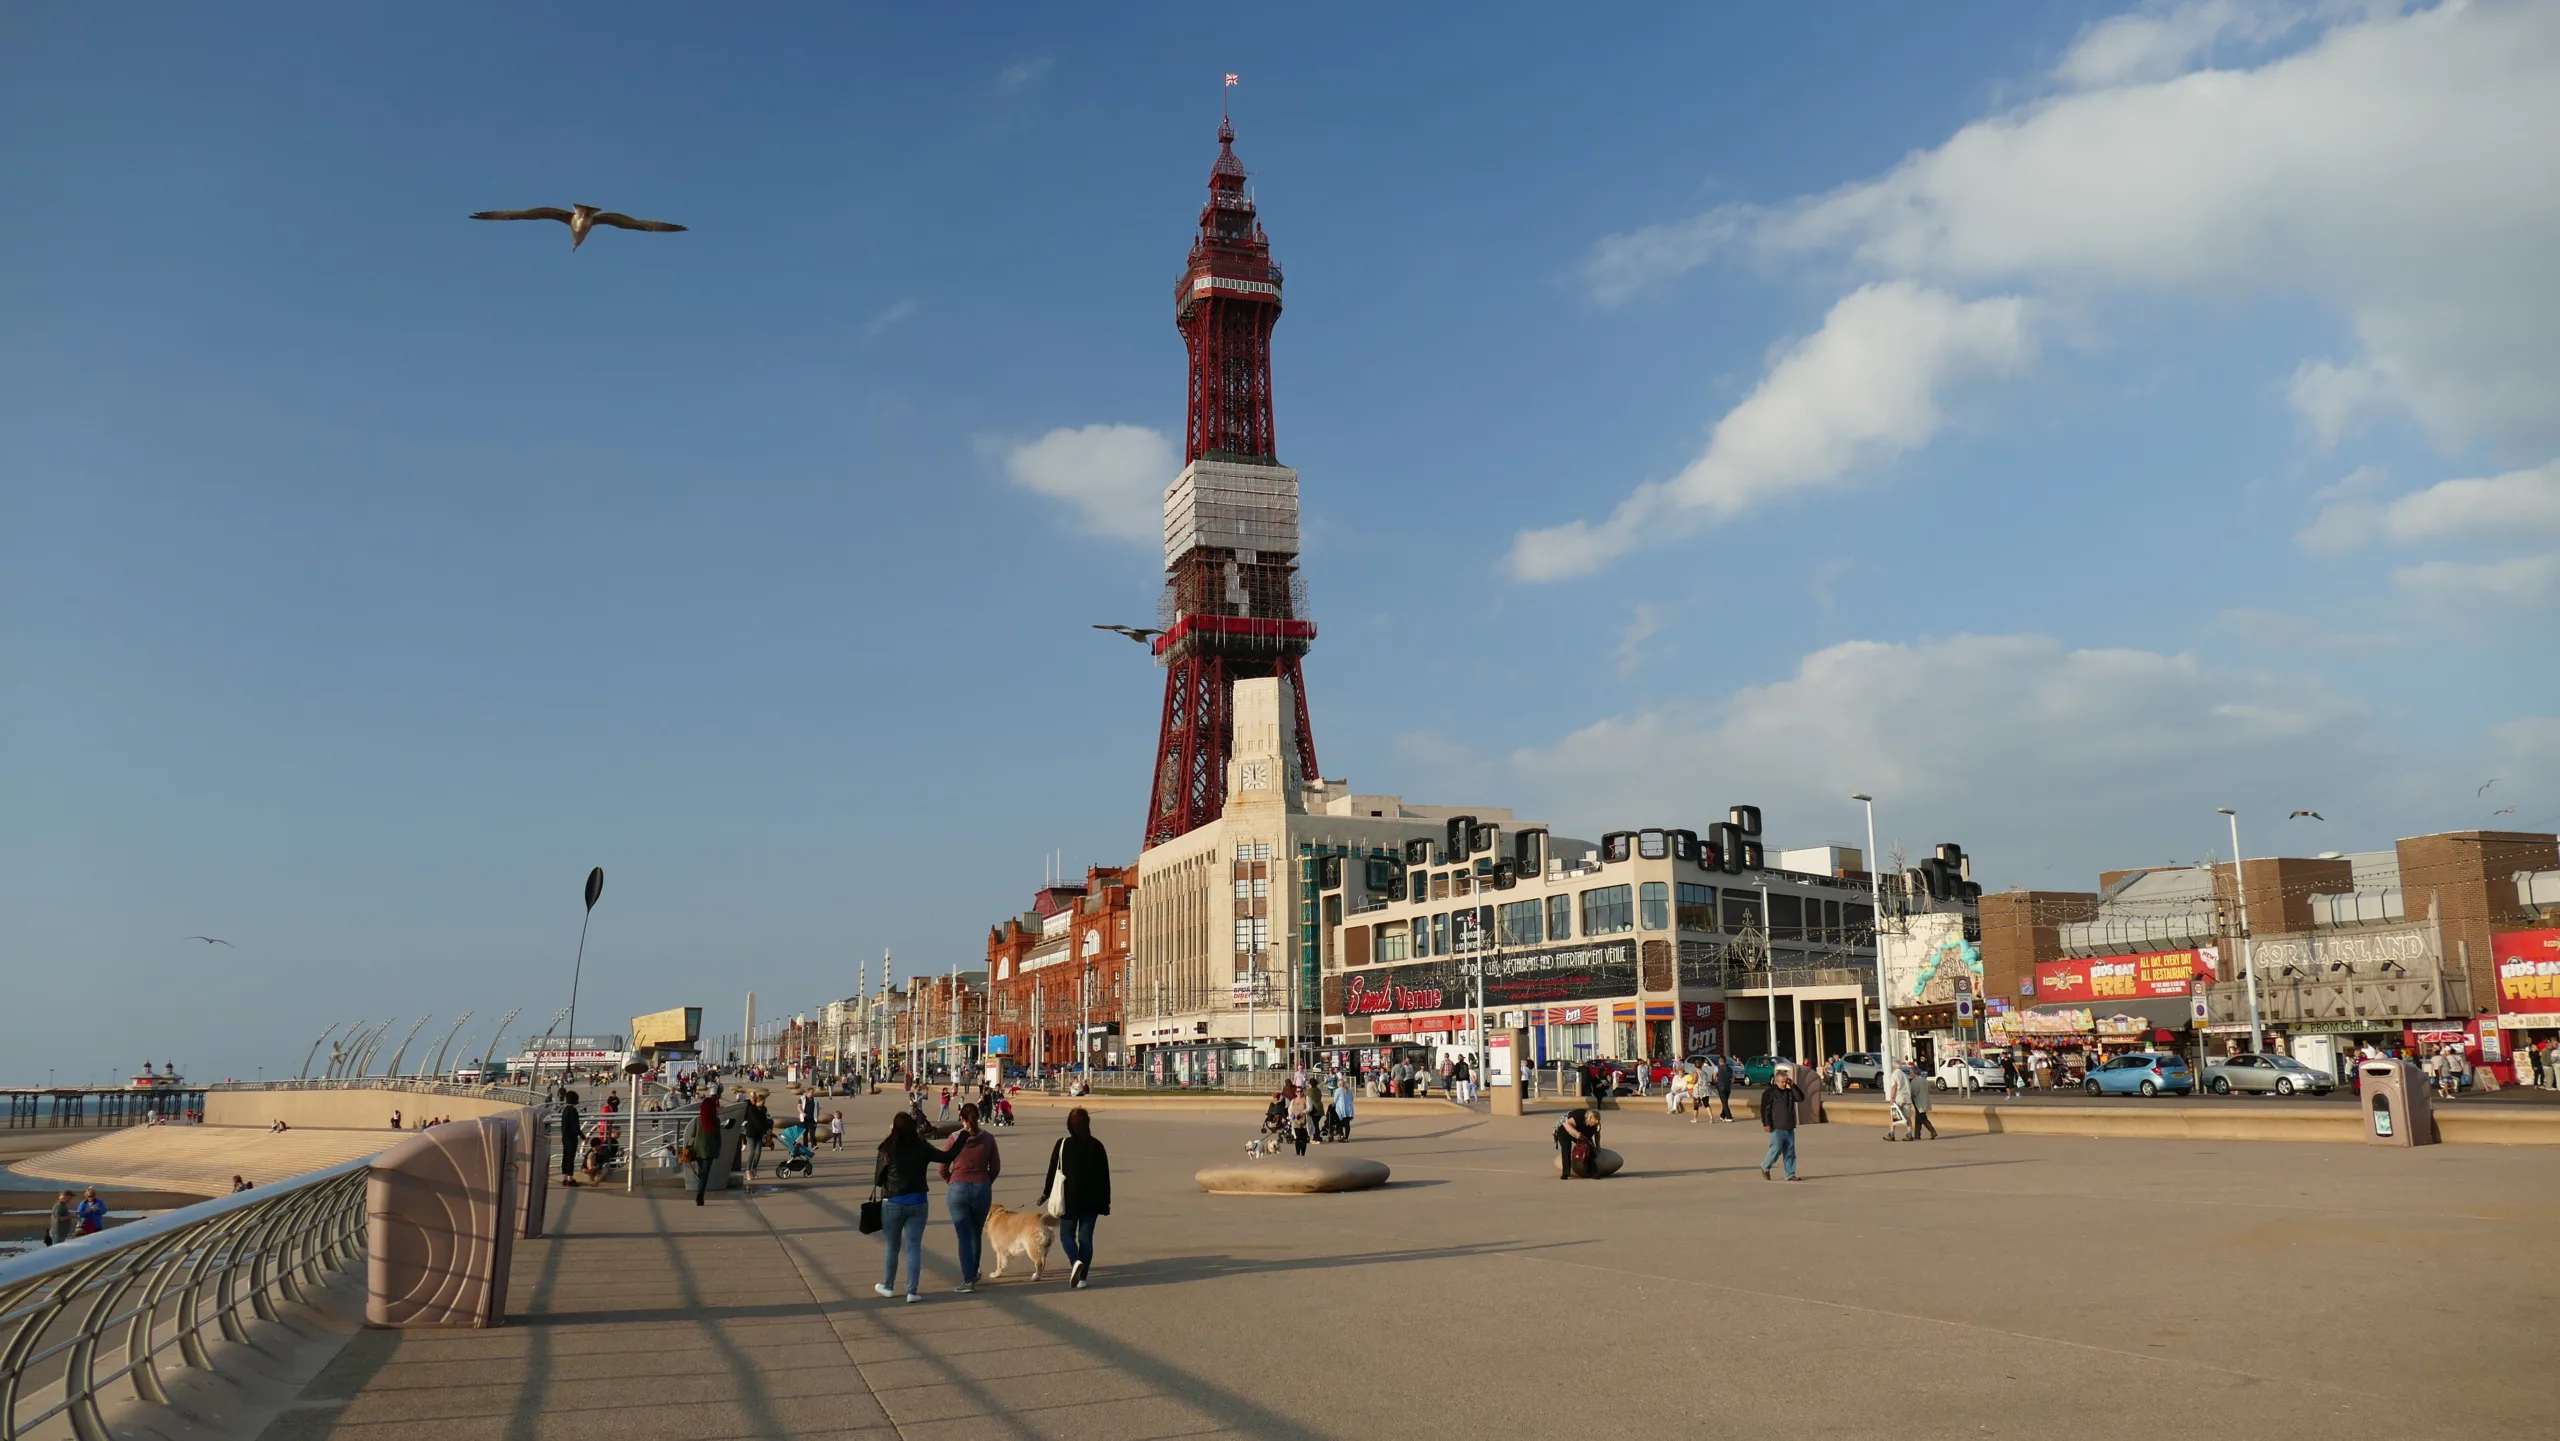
point(1060, 969)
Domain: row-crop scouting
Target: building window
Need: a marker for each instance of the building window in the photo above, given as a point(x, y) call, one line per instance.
point(1393, 943)
point(1440, 934)
point(1440, 886)
point(1244, 889)
point(1253, 935)
point(1261, 888)
point(1521, 923)
point(1741, 910)
point(1560, 918)
point(1608, 910)
point(1657, 906)
point(1696, 910)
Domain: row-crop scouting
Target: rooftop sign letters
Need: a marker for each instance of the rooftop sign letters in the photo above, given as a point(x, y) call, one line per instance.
point(2415, 947)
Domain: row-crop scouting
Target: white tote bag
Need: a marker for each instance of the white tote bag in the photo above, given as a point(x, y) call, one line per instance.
point(1054, 1204)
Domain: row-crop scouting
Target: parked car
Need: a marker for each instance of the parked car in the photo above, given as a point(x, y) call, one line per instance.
point(1954, 1073)
point(2247, 1071)
point(2145, 1073)
point(1862, 1068)
point(1760, 1070)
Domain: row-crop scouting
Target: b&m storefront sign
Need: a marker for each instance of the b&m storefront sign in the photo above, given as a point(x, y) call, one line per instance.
point(1514, 978)
point(2528, 972)
point(2153, 975)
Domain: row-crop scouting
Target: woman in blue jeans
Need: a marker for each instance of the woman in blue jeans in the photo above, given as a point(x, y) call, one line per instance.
point(1079, 1164)
point(899, 1176)
point(971, 1169)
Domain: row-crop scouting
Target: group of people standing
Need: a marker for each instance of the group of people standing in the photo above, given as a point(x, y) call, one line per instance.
point(74, 1215)
point(1075, 1190)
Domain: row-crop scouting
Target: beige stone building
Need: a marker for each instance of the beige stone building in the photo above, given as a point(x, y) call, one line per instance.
point(1223, 957)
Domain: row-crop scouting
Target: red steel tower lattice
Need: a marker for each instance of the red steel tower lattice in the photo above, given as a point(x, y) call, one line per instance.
point(1234, 604)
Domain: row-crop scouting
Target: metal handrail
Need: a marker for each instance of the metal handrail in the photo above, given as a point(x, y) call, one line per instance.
point(77, 1317)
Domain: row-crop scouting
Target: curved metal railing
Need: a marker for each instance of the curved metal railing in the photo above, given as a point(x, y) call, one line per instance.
point(78, 1317)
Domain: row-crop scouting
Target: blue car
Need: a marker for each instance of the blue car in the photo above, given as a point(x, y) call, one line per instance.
point(2142, 1073)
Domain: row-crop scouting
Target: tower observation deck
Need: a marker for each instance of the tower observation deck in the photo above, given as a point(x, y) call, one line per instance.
point(1234, 604)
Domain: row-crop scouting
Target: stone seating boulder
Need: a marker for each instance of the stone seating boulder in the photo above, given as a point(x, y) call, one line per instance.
point(1292, 1176)
point(1606, 1162)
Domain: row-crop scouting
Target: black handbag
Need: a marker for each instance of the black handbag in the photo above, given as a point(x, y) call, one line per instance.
point(870, 1222)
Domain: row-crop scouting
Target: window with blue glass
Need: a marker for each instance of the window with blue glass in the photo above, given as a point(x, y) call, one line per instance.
point(1608, 910)
point(1560, 918)
point(1522, 923)
point(1657, 905)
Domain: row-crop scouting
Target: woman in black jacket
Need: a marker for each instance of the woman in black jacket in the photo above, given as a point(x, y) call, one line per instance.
point(899, 1176)
point(1080, 1166)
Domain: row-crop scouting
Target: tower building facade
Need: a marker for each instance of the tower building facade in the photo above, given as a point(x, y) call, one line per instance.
point(1234, 604)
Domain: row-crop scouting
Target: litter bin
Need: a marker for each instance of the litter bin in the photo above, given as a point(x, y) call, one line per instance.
point(2396, 1112)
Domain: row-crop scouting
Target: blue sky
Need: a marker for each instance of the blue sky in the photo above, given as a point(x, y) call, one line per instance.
point(2059, 420)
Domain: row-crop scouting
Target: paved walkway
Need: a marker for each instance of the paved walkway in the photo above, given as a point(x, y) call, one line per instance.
point(1979, 1286)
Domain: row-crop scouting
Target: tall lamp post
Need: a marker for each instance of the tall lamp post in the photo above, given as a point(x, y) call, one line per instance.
point(2248, 952)
point(595, 889)
point(1875, 906)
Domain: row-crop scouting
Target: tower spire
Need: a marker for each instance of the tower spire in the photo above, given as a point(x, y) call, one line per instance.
point(1234, 604)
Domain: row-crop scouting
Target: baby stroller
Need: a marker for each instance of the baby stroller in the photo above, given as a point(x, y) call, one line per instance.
point(802, 1159)
point(1000, 1112)
point(1275, 1134)
point(1332, 1126)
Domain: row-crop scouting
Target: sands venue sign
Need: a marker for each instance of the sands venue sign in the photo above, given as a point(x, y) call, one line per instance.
point(1513, 978)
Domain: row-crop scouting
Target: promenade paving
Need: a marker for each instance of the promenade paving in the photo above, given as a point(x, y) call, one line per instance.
point(1983, 1285)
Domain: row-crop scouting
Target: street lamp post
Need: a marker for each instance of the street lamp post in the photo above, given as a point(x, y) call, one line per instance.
point(1875, 907)
point(2248, 951)
point(595, 890)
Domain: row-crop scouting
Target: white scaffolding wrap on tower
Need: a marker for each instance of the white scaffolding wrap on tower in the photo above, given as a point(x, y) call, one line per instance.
point(1231, 505)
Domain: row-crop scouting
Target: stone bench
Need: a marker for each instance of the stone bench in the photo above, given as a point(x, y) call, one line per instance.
point(1292, 1176)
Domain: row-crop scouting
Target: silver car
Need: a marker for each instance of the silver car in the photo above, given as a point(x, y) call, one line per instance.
point(2282, 1075)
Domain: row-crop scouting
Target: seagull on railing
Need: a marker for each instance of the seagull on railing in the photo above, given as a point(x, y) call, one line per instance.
point(580, 219)
point(1141, 634)
point(209, 940)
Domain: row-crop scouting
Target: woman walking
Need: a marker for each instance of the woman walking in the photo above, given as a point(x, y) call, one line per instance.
point(898, 1174)
point(970, 1167)
point(702, 1142)
point(1082, 1169)
point(757, 1127)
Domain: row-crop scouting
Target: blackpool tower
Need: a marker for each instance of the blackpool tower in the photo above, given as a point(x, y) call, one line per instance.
point(1234, 605)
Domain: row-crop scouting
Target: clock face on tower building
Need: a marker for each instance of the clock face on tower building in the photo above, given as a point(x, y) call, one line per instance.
point(1254, 775)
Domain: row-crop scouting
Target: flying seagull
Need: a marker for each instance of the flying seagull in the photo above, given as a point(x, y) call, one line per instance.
point(209, 940)
point(2484, 786)
point(1140, 634)
point(2511, 810)
point(580, 219)
point(2315, 815)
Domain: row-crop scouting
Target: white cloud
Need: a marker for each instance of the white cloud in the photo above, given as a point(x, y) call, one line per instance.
point(2013, 744)
point(1861, 390)
point(2524, 580)
point(2521, 504)
point(1112, 477)
point(2399, 169)
point(1022, 73)
point(2161, 41)
point(897, 312)
point(1647, 622)
point(2335, 400)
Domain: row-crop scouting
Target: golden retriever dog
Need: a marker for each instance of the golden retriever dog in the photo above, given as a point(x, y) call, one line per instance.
point(1028, 1232)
